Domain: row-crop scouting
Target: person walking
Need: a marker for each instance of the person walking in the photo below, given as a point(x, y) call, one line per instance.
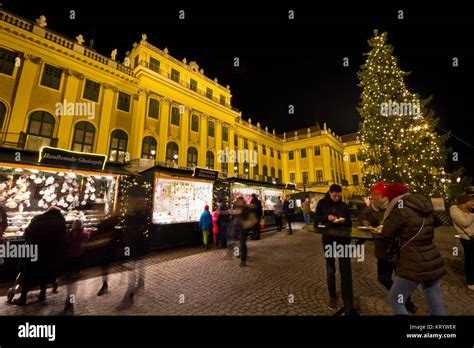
point(205, 225)
point(259, 212)
point(409, 219)
point(306, 208)
point(75, 240)
point(48, 232)
point(215, 228)
point(372, 216)
point(288, 211)
point(463, 221)
point(223, 222)
point(329, 212)
point(279, 214)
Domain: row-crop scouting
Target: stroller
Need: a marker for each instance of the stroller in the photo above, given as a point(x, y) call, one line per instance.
point(16, 288)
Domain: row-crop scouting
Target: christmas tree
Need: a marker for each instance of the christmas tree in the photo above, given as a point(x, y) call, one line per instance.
point(399, 143)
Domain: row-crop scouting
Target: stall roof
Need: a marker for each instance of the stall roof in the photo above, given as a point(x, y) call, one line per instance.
point(254, 182)
point(31, 158)
point(169, 170)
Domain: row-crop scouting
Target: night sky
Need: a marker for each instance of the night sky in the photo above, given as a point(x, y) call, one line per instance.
point(295, 62)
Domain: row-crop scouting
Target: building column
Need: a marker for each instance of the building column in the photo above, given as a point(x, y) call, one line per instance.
point(203, 141)
point(103, 136)
point(138, 124)
point(21, 99)
point(231, 149)
point(163, 122)
point(298, 176)
point(251, 159)
point(218, 147)
point(184, 135)
point(326, 163)
point(65, 128)
point(310, 155)
point(284, 158)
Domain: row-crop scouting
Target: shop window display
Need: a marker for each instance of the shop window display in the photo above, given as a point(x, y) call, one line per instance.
point(25, 193)
point(180, 200)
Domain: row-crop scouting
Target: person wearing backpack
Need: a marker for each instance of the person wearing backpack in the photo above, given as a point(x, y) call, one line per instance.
point(409, 219)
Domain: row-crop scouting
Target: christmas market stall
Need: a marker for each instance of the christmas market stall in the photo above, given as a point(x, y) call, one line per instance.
point(178, 197)
point(82, 185)
point(268, 194)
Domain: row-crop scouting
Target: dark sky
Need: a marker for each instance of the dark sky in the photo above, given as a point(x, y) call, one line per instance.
point(295, 62)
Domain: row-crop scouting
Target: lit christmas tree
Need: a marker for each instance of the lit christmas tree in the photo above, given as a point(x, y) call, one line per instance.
point(399, 143)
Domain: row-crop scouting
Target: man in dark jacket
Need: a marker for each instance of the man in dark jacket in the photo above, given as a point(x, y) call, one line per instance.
point(259, 211)
point(48, 232)
point(223, 222)
point(410, 218)
point(288, 212)
point(372, 216)
point(329, 212)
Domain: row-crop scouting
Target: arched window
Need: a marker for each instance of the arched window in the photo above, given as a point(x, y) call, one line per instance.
point(118, 146)
point(3, 113)
point(84, 134)
point(280, 174)
point(255, 170)
point(210, 160)
point(41, 123)
point(192, 157)
point(272, 171)
point(149, 148)
point(265, 171)
point(172, 150)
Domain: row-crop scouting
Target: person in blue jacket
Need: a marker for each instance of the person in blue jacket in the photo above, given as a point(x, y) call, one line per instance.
point(205, 225)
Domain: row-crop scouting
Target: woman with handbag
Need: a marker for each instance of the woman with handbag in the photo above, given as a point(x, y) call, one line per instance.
point(409, 219)
point(463, 221)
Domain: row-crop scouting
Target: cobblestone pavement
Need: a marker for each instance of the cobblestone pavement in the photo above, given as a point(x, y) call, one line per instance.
point(280, 268)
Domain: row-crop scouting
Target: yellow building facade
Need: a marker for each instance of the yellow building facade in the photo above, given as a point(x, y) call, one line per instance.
point(150, 108)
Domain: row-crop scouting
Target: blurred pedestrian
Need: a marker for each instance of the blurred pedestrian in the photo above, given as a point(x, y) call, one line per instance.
point(288, 212)
point(223, 222)
point(255, 201)
point(279, 214)
point(463, 221)
point(75, 240)
point(215, 228)
point(47, 231)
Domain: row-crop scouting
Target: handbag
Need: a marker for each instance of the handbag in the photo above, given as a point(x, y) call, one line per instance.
point(462, 229)
point(394, 251)
point(262, 223)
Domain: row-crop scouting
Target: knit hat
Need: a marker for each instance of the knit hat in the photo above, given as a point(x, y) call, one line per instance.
point(464, 198)
point(206, 207)
point(380, 188)
point(395, 190)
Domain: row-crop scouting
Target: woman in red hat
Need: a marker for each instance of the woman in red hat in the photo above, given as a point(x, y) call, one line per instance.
point(409, 219)
point(372, 216)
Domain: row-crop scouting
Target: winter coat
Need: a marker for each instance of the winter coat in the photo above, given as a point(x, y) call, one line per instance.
point(463, 222)
point(215, 228)
point(258, 207)
point(286, 208)
point(420, 260)
point(278, 207)
point(48, 232)
point(306, 207)
point(75, 242)
point(326, 207)
point(205, 222)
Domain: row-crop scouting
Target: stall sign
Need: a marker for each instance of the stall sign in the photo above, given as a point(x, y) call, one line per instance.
point(205, 174)
point(71, 159)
